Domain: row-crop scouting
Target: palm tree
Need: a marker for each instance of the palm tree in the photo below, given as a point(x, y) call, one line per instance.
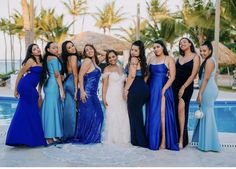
point(76, 8)
point(50, 27)
point(162, 24)
point(28, 15)
point(129, 34)
point(3, 28)
point(19, 29)
point(108, 16)
point(228, 8)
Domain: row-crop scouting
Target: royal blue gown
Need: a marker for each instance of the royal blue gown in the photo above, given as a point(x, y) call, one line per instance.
point(26, 127)
point(158, 78)
point(69, 110)
point(90, 114)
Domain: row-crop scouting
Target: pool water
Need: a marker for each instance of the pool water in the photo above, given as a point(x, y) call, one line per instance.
point(225, 113)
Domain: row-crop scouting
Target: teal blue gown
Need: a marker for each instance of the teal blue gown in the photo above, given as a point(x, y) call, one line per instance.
point(70, 111)
point(51, 111)
point(205, 132)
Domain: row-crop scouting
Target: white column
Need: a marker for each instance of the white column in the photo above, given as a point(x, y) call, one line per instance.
point(217, 29)
point(138, 21)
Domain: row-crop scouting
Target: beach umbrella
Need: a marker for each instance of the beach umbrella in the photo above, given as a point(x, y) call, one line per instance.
point(100, 42)
point(226, 56)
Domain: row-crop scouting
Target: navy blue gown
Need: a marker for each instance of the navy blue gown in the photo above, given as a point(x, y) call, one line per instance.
point(26, 127)
point(90, 114)
point(158, 79)
point(137, 97)
point(183, 72)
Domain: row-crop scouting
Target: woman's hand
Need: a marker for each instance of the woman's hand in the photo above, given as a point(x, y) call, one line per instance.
point(16, 94)
point(199, 98)
point(83, 96)
point(181, 92)
point(105, 102)
point(75, 95)
point(163, 92)
point(62, 93)
point(125, 94)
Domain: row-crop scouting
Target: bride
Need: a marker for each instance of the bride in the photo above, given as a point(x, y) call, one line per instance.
point(117, 129)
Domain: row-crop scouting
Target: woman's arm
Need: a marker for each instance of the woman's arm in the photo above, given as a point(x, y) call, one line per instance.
point(131, 76)
point(24, 69)
point(209, 67)
point(196, 65)
point(104, 87)
point(172, 72)
point(75, 74)
point(83, 70)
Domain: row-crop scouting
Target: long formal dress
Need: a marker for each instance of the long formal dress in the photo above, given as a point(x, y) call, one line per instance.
point(205, 132)
point(158, 78)
point(51, 111)
point(117, 129)
point(90, 114)
point(183, 72)
point(137, 97)
point(69, 109)
point(26, 127)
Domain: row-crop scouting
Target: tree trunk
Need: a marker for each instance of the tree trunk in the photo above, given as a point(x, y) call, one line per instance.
point(11, 48)
point(82, 26)
point(104, 30)
point(28, 15)
point(13, 53)
point(73, 24)
point(20, 51)
point(5, 40)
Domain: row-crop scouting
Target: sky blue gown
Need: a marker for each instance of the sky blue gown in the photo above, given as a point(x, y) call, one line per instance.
point(158, 79)
point(70, 111)
point(26, 127)
point(51, 111)
point(90, 114)
point(205, 132)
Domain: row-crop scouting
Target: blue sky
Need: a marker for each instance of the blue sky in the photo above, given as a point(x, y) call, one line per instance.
point(129, 7)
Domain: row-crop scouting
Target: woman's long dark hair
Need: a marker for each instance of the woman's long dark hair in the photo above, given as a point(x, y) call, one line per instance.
point(65, 54)
point(107, 54)
point(95, 53)
point(45, 68)
point(210, 47)
point(142, 57)
point(160, 42)
point(30, 55)
point(192, 48)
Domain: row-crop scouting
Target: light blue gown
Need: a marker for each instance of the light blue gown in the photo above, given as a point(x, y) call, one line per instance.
point(51, 112)
point(205, 132)
point(70, 111)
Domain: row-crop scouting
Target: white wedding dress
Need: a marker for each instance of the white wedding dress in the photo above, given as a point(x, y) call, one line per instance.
point(117, 128)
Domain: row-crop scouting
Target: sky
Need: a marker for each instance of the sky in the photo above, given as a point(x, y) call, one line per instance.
point(128, 7)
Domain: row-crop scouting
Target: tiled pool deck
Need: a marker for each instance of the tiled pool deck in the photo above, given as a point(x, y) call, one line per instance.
point(69, 155)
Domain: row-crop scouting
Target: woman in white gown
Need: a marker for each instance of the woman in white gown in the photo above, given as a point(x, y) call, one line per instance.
point(117, 128)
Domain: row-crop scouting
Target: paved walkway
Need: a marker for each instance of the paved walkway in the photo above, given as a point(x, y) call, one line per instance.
point(69, 155)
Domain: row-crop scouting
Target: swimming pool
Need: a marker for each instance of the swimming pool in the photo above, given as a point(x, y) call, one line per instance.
point(225, 113)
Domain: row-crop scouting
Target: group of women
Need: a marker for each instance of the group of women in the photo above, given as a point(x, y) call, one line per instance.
point(146, 103)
